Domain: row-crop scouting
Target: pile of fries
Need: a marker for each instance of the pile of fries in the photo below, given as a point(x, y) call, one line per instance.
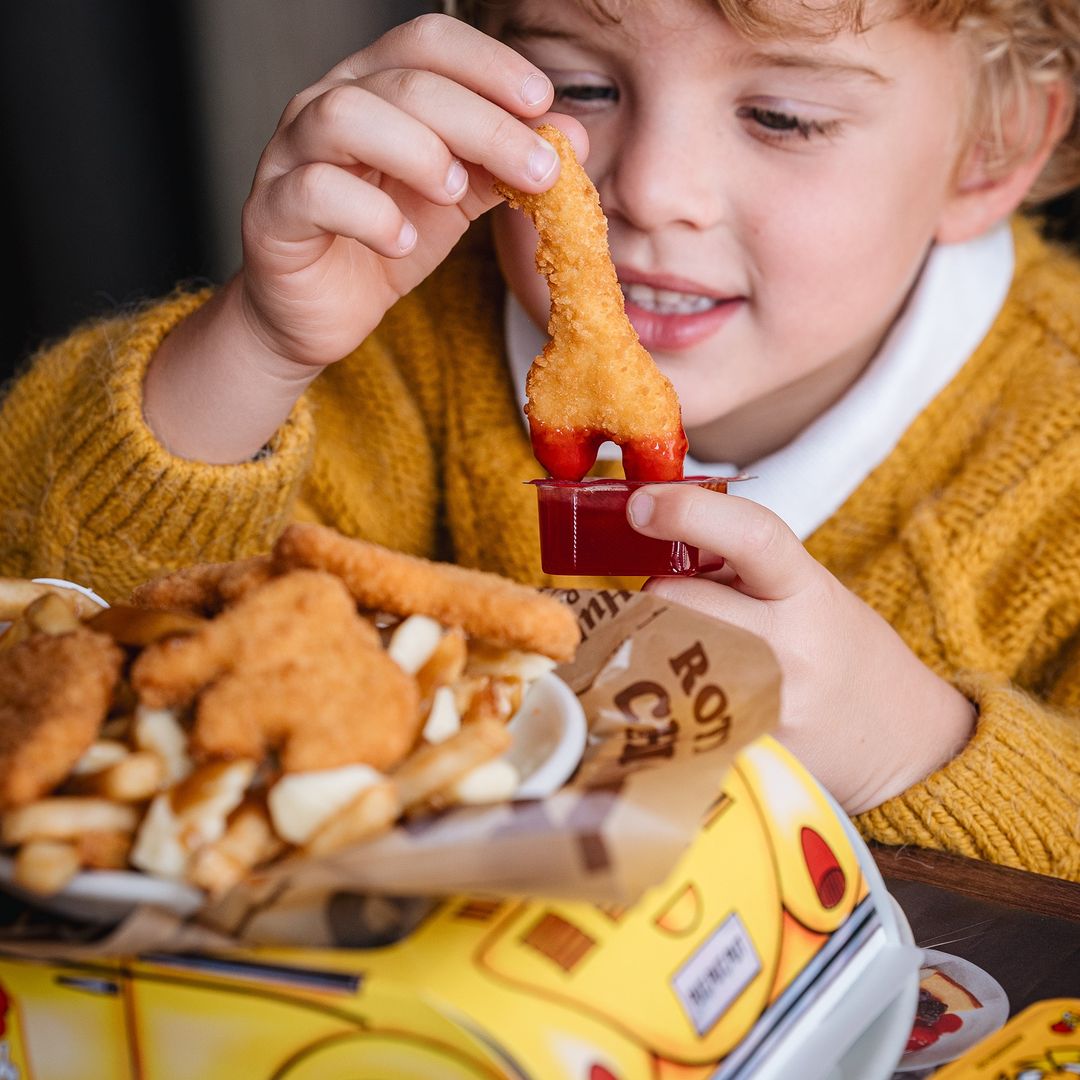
point(232, 713)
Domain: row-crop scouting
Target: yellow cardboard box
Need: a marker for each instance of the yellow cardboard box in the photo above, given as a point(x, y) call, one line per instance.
point(767, 940)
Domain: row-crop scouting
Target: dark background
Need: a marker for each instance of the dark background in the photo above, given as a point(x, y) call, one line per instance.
point(108, 192)
point(99, 177)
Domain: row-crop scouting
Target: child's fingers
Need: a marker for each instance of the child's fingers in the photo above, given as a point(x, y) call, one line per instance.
point(450, 47)
point(769, 559)
point(414, 126)
point(474, 128)
point(319, 199)
point(715, 599)
point(462, 53)
point(351, 126)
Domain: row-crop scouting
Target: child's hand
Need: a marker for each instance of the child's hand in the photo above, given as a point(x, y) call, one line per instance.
point(374, 173)
point(858, 708)
point(371, 177)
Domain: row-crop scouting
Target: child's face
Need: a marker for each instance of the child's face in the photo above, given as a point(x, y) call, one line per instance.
point(770, 203)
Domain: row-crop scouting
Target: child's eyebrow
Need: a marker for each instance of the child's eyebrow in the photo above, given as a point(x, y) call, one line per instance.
point(518, 30)
point(815, 64)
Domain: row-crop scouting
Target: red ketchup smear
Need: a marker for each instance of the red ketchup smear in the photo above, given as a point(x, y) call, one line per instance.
point(569, 453)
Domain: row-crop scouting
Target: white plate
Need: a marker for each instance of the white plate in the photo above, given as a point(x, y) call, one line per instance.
point(549, 733)
point(978, 1023)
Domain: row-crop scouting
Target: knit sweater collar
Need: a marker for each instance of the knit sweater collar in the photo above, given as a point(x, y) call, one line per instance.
point(954, 303)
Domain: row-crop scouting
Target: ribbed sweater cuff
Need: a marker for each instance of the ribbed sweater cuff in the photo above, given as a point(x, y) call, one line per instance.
point(117, 481)
point(1011, 796)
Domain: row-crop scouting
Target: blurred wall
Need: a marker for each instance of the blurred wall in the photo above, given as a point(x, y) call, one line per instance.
point(131, 131)
point(251, 56)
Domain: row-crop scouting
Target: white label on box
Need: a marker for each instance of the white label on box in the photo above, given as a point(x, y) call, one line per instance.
point(716, 974)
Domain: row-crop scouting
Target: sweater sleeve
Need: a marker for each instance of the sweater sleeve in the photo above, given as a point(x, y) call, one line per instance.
point(87, 492)
point(1011, 796)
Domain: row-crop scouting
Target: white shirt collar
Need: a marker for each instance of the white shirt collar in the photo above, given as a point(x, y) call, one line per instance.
point(952, 307)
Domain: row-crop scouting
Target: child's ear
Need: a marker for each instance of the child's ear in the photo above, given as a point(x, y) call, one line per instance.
point(984, 192)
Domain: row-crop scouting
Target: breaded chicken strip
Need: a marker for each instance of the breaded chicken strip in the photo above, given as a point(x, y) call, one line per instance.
point(290, 666)
point(55, 692)
point(205, 588)
point(485, 605)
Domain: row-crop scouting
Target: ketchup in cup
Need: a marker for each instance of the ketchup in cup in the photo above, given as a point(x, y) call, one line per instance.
point(584, 530)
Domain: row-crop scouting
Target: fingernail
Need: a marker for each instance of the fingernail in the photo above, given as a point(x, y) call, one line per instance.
point(535, 89)
point(456, 179)
point(641, 508)
point(407, 237)
point(542, 160)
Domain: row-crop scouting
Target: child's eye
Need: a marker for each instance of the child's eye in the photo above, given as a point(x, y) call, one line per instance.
point(582, 97)
point(777, 125)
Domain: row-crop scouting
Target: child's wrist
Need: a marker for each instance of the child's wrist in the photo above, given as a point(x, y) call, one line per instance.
point(215, 391)
point(948, 723)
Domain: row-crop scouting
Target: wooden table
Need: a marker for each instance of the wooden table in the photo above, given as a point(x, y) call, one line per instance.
point(1021, 928)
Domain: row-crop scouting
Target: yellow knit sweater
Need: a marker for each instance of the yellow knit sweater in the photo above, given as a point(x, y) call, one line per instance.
point(967, 538)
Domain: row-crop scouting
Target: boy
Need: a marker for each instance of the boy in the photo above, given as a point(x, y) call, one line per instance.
point(811, 232)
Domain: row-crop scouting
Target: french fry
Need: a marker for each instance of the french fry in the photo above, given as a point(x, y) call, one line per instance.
point(497, 699)
point(494, 781)
point(191, 814)
point(134, 778)
point(64, 817)
point(102, 849)
point(47, 613)
point(372, 812)
point(138, 627)
point(445, 665)
point(248, 840)
point(434, 767)
point(17, 594)
point(45, 866)
point(487, 659)
point(50, 613)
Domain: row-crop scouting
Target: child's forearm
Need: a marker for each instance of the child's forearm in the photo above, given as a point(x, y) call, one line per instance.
point(214, 391)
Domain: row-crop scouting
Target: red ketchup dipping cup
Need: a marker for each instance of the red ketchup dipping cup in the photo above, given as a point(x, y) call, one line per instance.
point(584, 531)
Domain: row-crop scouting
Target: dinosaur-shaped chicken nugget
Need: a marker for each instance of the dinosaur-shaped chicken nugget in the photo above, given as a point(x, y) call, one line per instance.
point(594, 380)
point(290, 666)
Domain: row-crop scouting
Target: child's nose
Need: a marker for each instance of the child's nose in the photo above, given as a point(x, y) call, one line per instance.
point(666, 174)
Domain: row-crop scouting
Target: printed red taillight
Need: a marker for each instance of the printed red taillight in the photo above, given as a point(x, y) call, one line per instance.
point(825, 870)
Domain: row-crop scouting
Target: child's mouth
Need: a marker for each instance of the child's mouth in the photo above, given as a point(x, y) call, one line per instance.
point(671, 319)
point(667, 301)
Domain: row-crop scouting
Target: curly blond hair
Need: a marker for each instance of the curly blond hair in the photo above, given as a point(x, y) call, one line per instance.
point(1017, 44)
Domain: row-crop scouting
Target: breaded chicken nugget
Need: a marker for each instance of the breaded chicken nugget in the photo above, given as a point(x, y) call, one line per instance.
point(290, 666)
point(205, 588)
point(485, 605)
point(594, 380)
point(55, 692)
